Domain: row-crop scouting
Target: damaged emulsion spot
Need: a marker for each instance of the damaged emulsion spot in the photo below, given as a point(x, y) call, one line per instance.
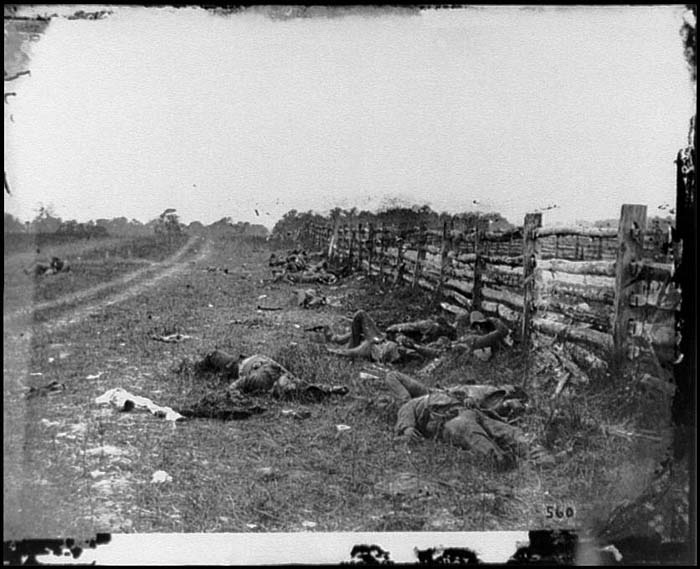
point(548, 546)
point(25, 551)
point(370, 555)
point(458, 555)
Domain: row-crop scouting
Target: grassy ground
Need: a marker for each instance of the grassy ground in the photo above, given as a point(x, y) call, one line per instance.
point(76, 468)
point(92, 262)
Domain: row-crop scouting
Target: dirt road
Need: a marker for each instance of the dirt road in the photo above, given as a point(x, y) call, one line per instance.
point(20, 329)
point(144, 278)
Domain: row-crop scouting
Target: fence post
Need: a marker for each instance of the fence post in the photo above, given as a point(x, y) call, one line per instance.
point(630, 248)
point(343, 243)
point(334, 238)
point(359, 233)
point(351, 245)
point(479, 230)
point(370, 250)
point(444, 247)
point(399, 260)
point(420, 255)
point(382, 249)
point(530, 253)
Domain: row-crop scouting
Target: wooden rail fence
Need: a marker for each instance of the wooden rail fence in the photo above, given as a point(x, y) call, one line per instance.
point(601, 288)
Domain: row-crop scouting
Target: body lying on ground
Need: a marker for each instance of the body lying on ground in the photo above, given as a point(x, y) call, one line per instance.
point(55, 266)
point(472, 417)
point(296, 267)
point(429, 338)
point(309, 298)
point(261, 374)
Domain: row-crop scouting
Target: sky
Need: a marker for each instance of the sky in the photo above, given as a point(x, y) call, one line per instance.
point(583, 108)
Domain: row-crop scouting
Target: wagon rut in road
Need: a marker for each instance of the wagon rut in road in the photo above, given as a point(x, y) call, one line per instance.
point(93, 291)
point(174, 265)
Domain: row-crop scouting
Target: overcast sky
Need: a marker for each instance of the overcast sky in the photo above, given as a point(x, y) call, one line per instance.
point(219, 116)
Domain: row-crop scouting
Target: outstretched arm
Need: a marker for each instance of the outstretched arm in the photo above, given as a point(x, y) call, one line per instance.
point(489, 340)
point(406, 421)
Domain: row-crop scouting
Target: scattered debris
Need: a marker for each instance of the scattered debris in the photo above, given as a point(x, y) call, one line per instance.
point(554, 360)
point(48, 389)
point(320, 333)
point(267, 472)
point(217, 270)
point(622, 432)
point(107, 450)
point(408, 484)
point(302, 414)
point(335, 301)
point(126, 401)
point(160, 476)
point(171, 338)
point(367, 376)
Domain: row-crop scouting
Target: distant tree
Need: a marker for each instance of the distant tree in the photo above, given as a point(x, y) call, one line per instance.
point(168, 223)
point(70, 227)
point(12, 224)
point(82, 230)
point(497, 222)
point(45, 221)
point(196, 227)
point(294, 223)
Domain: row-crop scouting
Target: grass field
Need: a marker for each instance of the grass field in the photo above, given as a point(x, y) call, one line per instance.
point(93, 261)
point(73, 468)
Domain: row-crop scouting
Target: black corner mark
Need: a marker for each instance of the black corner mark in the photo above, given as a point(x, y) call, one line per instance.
point(25, 551)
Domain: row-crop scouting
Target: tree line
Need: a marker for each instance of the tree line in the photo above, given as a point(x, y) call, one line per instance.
point(167, 223)
point(401, 217)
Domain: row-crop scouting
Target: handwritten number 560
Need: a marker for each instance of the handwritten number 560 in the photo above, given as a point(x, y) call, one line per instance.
point(559, 512)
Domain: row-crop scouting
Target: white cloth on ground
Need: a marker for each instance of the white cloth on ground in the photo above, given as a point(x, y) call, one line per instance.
point(119, 396)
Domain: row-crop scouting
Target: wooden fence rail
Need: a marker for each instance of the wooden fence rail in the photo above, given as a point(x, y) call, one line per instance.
point(587, 286)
